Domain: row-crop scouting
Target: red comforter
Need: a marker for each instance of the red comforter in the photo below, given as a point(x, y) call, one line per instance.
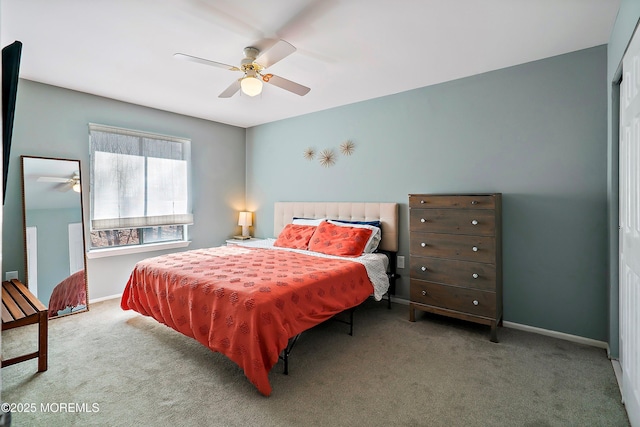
point(71, 292)
point(245, 302)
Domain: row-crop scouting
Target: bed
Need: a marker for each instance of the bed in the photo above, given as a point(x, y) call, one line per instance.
point(250, 302)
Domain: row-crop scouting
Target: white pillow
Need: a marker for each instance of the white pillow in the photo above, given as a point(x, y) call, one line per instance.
point(308, 221)
point(374, 240)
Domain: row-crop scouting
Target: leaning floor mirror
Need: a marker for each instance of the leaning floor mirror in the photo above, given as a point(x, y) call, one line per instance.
point(54, 234)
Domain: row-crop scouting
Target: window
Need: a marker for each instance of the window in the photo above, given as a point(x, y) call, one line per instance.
point(139, 187)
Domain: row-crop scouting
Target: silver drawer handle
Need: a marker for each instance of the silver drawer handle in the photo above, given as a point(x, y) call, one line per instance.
point(424, 293)
point(423, 244)
point(474, 202)
point(475, 249)
point(423, 220)
point(474, 222)
point(475, 275)
point(475, 302)
point(422, 202)
point(423, 268)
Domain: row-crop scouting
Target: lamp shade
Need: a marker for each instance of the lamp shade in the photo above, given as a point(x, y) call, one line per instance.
point(251, 86)
point(245, 219)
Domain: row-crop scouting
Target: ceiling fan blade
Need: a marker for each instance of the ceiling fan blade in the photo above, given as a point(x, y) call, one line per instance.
point(285, 84)
point(302, 22)
point(231, 90)
point(51, 179)
point(63, 188)
point(275, 53)
point(184, 57)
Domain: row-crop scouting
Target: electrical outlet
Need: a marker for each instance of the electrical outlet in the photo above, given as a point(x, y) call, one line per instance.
point(11, 275)
point(400, 261)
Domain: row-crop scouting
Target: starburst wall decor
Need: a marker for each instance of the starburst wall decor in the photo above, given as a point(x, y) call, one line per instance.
point(327, 158)
point(309, 153)
point(347, 148)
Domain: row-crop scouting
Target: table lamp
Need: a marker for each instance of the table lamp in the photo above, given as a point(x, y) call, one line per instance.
point(245, 222)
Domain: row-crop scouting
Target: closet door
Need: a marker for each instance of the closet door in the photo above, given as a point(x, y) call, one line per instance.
point(630, 230)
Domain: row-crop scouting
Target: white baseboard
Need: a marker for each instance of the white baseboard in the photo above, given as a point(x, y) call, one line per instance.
point(547, 332)
point(556, 334)
point(506, 324)
point(617, 369)
point(400, 300)
point(91, 301)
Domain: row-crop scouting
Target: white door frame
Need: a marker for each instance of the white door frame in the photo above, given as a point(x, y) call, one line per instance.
point(629, 229)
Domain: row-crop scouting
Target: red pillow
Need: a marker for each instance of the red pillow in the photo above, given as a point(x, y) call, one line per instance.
point(337, 240)
point(295, 236)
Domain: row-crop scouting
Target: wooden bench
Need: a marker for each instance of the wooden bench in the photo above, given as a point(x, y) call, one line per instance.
point(20, 308)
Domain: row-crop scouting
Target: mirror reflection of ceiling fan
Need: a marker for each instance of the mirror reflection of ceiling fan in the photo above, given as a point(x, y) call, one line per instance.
point(252, 67)
point(66, 184)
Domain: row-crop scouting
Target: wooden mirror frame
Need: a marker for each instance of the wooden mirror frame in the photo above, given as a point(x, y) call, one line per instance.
point(69, 288)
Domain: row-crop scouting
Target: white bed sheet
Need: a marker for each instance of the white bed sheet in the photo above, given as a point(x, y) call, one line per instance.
point(376, 264)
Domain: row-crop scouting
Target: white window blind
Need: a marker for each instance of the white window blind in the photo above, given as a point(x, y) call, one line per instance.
point(138, 179)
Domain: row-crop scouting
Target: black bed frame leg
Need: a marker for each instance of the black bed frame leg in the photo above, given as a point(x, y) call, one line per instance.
point(392, 275)
point(285, 353)
point(284, 356)
point(351, 321)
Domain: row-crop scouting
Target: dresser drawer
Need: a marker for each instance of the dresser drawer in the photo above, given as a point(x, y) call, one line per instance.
point(450, 201)
point(454, 246)
point(471, 301)
point(462, 273)
point(458, 221)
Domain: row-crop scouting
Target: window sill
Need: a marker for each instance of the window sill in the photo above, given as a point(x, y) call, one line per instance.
point(126, 250)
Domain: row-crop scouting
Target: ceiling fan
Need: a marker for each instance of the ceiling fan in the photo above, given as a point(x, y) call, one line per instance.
point(253, 65)
point(66, 184)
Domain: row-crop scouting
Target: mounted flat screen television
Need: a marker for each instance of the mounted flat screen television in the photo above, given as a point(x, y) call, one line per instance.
point(10, 71)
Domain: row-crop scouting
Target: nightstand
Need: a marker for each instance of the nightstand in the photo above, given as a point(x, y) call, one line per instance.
point(233, 242)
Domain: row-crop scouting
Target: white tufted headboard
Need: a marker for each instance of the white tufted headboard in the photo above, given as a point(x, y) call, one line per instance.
point(386, 213)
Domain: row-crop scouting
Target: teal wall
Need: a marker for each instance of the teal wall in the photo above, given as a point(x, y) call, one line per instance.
point(626, 21)
point(52, 122)
point(53, 246)
point(536, 132)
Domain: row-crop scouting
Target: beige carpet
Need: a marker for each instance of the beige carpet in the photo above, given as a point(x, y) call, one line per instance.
point(434, 372)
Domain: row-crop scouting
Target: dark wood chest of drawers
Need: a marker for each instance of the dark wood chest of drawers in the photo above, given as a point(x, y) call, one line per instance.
point(456, 256)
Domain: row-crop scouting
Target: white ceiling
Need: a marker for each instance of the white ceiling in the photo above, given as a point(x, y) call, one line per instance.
point(49, 195)
point(348, 50)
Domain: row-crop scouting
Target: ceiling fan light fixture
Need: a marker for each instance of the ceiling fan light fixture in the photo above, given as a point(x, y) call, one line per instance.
point(76, 186)
point(251, 85)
